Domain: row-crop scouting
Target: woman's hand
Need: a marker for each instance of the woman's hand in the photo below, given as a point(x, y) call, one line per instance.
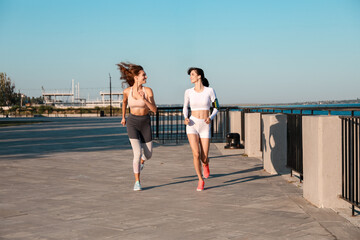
point(123, 122)
point(208, 120)
point(186, 121)
point(142, 94)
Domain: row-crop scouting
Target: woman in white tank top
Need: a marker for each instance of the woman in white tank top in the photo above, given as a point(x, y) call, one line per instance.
point(140, 101)
point(198, 126)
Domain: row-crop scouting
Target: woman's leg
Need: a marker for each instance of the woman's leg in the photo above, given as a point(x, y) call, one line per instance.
point(204, 150)
point(136, 147)
point(147, 148)
point(146, 136)
point(133, 133)
point(147, 153)
point(204, 146)
point(194, 144)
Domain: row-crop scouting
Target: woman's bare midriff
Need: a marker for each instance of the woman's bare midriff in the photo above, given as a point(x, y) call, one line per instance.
point(139, 111)
point(200, 114)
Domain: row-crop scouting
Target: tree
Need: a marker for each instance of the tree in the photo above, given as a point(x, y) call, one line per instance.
point(8, 96)
point(37, 100)
point(33, 100)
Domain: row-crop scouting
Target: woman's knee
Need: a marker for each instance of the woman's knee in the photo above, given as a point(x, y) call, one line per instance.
point(147, 154)
point(196, 155)
point(147, 148)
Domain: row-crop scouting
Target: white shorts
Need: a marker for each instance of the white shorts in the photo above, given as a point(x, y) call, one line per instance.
point(199, 127)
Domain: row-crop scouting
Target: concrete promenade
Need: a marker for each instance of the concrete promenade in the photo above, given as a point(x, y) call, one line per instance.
point(72, 178)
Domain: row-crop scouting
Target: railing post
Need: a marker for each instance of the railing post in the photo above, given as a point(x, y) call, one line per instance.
point(351, 162)
point(243, 125)
point(177, 126)
point(346, 159)
point(157, 124)
point(357, 161)
point(343, 147)
point(227, 122)
point(212, 126)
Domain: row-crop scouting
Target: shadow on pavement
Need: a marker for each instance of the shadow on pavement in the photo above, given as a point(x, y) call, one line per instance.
point(224, 156)
point(62, 135)
point(193, 178)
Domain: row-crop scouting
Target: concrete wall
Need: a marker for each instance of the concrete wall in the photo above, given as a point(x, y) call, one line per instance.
point(322, 161)
point(253, 135)
point(275, 143)
point(235, 123)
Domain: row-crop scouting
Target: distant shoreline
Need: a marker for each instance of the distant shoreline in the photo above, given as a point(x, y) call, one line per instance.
point(312, 103)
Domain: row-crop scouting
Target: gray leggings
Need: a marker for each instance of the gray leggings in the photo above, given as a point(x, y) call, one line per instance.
point(139, 132)
point(141, 151)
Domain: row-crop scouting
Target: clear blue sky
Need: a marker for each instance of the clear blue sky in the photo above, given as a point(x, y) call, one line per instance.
point(252, 51)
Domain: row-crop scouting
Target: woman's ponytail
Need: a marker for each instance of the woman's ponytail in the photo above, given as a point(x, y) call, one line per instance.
point(205, 82)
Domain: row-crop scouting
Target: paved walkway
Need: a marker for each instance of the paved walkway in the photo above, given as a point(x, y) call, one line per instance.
point(72, 179)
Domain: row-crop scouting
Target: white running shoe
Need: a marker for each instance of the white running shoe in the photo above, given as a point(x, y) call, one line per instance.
point(137, 186)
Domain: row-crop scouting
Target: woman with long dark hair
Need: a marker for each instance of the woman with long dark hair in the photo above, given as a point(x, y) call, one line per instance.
point(140, 100)
point(198, 128)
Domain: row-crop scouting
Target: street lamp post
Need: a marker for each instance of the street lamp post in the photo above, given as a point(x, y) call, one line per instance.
point(110, 97)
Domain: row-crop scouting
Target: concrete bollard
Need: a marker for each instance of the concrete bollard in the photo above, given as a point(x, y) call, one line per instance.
point(275, 143)
point(322, 161)
point(253, 135)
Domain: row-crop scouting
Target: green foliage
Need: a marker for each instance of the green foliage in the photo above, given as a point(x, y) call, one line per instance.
point(14, 108)
point(8, 96)
point(33, 100)
point(45, 109)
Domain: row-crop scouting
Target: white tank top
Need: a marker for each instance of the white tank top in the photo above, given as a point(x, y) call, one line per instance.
point(199, 100)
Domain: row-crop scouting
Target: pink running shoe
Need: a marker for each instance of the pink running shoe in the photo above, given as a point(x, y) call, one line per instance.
point(206, 171)
point(200, 186)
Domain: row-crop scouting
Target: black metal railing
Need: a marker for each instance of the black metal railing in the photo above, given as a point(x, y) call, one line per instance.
point(350, 161)
point(168, 125)
point(220, 125)
point(294, 127)
point(309, 110)
point(294, 144)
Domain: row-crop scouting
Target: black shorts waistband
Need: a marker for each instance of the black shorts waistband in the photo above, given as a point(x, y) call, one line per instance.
point(139, 116)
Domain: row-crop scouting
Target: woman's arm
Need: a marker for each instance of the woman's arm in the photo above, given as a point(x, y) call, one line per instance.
point(185, 108)
point(149, 100)
point(215, 105)
point(124, 105)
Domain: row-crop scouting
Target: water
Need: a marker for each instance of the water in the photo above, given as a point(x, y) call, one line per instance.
point(317, 112)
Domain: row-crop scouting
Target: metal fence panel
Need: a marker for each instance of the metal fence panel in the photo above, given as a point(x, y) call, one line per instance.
point(294, 143)
point(350, 161)
point(168, 126)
